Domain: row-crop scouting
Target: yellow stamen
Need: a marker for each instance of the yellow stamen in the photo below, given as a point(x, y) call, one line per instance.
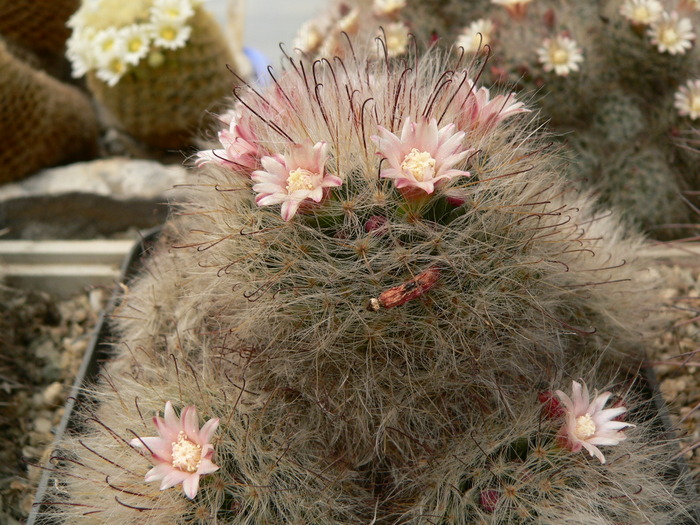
point(585, 427)
point(187, 455)
point(300, 179)
point(419, 164)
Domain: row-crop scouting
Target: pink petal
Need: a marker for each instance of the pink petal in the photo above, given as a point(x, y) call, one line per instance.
point(207, 467)
point(171, 420)
point(289, 208)
point(158, 472)
point(594, 451)
point(160, 448)
point(598, 403)
point(168, 432)
point(190, 422)
point(174, 477)
point(191, 485)
point(207, 431)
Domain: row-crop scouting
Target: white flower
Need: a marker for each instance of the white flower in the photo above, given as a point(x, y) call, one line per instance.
point(560, 54)
point(173, 10)
point(112, 70)
point(671, 34)
point(79, 50)
point(110, 49)
point(688, 99)
point(642, 12)
point(476, 35)
point(587, 423)
point(169, 33)
point(387, 7)
point(396, 39)
point(136, 41)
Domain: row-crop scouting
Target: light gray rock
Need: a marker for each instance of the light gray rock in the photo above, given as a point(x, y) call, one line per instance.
point(90, 199)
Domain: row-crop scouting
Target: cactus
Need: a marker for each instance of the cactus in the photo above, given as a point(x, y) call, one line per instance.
point(36, 32)
point(378, 260)
point(47, 122)
point(628, 63)
point(155, 86)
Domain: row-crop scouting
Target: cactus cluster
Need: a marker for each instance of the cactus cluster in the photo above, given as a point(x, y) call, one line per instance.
point(155, 65)
point(615, 78)
point(380, 298)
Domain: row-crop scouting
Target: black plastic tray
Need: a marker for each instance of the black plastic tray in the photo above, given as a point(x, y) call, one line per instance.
point(98, 349)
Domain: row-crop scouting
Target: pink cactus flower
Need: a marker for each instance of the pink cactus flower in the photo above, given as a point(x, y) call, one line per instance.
point(240, 145)
point(293, 178)
point(587, 423)
point(478, 111)
point(182, 453)
point(423, 157)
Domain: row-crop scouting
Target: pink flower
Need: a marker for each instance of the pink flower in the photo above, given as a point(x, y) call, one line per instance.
point(297, 176)
point(240, 145)
point(423, 157)
point(478, 111)
point(587, 423)
point(182, 453)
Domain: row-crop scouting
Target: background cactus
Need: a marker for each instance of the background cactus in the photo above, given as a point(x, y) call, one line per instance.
point(617, 84)
point(156, 66)
point(366, 274)
point(43, 121)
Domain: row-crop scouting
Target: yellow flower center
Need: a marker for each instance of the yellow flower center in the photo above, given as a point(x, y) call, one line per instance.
point(300, 179)
point(107, 44)
point(668, 36)
point(641, 14)
point(168, 33)
point(116, 66)
point(419, 164)
point(559, 56)
point(135, 44)
point(585, 427)
point(694, 104)
point(187, 456)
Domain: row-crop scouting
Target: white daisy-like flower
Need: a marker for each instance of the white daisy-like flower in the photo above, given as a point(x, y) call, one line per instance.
point(387, 7)
point(173, 10)
point(111, 69)
point(137, 39)
point(687, 99)
point(108, 41)
point(169, 33)
point(476, 35)
point(560, 54)
point(79, 50)
point(672, 34)
point(642, 12)
point(396, 39)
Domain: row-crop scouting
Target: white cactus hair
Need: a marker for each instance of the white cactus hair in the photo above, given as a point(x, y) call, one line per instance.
point(263, 322)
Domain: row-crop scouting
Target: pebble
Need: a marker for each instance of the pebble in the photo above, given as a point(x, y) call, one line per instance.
point(53, 394)
point(43, 425)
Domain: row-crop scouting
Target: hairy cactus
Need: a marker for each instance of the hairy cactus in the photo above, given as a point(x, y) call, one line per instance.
point(616, 71)
point(378, 260)
point(156, 66)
